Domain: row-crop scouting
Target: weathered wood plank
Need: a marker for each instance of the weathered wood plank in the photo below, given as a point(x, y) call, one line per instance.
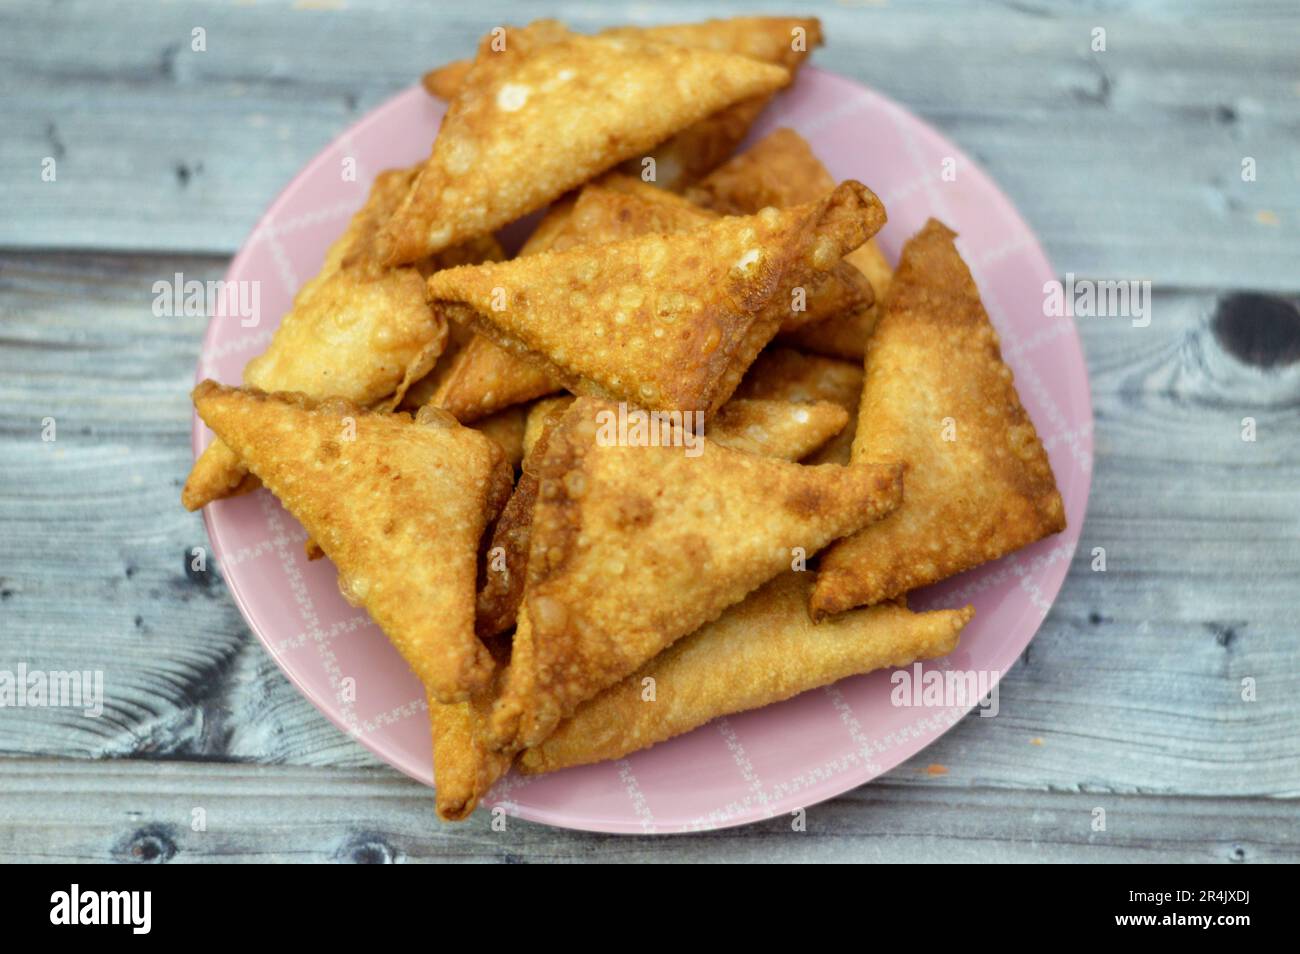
point(1132, 686)
point(1127, 162)
point(134, 811)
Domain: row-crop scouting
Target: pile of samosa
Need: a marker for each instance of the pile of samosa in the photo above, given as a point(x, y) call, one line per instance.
point(464, 434)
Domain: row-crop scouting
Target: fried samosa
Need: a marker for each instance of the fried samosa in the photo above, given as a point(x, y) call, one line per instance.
point(483, 377)
point(633, 546)
point(781, 429)
point(783, 374)
point(781, 170)
point(358, 331)
point(788, 375)
point(939, 399)
point(397, 505)
point(464, 766)
point(536, 119)
point(697, 149)
point(846, 335)
point(763, 650)
point(668, 322)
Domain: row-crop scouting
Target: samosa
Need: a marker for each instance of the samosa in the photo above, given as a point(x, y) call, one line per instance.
point(359, 331)
point(939, 399)
point(847, 334)
point(760, 651)
point(697, 149)
point(781, 429)
point(482, 377)
point(787, 375)
point(634, 545)
point(545, 114)
point(464, 766)
point(665, 321)
point(781, 170)
point(397, 505)
point(507, 555)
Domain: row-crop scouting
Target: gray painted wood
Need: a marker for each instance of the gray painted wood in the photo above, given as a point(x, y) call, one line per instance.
point(1131, 689)
point(149, 812)
point(1127, 162)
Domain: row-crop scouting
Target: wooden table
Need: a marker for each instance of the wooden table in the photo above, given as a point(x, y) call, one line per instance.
point(1129, 164)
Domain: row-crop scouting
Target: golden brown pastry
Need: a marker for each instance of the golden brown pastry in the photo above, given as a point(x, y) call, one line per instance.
point(359, 331)
point(397, 505)
point(781, 429)
point(781, 170)
point(544, 115)
point(697, 149)
point(507, 429)
point(762, 650)
point(670, 321)
point(634, 546)
point(939, 399)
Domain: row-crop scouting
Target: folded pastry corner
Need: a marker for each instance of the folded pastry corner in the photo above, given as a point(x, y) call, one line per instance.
point(464, 766)
point(781, 170)
point(547, 113)
point(358, 330)
point(700, 147)
point(398, 505)
point(664, 321)
point(763, 650)
point(633, 546)
point(939, 399)
point(482, 378)
point(783, 429)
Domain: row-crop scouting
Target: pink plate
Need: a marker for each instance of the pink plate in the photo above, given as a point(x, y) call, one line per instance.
point(751, 766)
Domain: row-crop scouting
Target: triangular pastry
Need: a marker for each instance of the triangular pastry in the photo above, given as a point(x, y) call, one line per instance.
point(358, 330)
point(536, 119)
point(781, 429)
point(697, 149)
point(634, 546)
point(482, 377)
point(758, 652)
point(939, 399)
point(847, 334)
point(397, 505)
point(666, 321)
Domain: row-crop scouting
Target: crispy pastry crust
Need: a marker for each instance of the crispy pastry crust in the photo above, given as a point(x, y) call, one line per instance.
point(934, 370)
point(398, 506)
point(633, 547)
point(667, 322)
point(548, 113)
point(781, 429)
point(760, 651)
point(358, 331)
point(701, 146)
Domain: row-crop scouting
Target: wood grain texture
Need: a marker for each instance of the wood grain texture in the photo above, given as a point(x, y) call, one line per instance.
point(142, 813)
point(1132, 688)
point(1127, 162)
